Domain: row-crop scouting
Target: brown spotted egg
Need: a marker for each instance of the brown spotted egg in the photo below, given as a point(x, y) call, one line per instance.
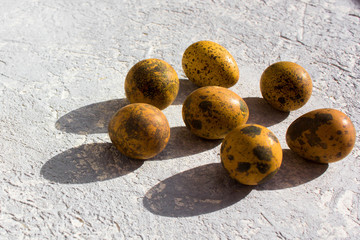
point(207, 63)
point(286, 86)
point(251, 154)
point(139, 131)
point(323, 135)
point(152, 81)
point(212, 112)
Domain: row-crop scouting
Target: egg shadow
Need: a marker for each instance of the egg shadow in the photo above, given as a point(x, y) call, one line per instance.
point(184, 143)
point(294, 171)
point(88, 163)
point(197, 191)
point(260, 112)
point(356, 2)
point(90, 119)
point(94, 118)
point(185, 88)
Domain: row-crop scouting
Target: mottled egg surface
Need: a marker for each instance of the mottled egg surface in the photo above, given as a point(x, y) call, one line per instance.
point(207, 63)
point(152, 81)
point(323, 135)
point(286, 86)
point(212, 112)
point(251, 154)
point(139, 131)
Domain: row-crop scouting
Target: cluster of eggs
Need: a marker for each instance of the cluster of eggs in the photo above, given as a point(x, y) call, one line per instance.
point(250, 153)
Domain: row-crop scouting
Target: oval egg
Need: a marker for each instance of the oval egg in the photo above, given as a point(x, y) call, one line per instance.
point(251, 154)
point(207, 63)
point(286, 86)
point(139, 131)
point(152, 81)
point(212, 112)
point(323, 135)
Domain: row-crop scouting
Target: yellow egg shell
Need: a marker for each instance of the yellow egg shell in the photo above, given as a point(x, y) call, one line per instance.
point(251, 154)
point(286, 86)
point(323, 135)
point(207, 63)
point(212, 112)
point(139, 131)
point(152, 81)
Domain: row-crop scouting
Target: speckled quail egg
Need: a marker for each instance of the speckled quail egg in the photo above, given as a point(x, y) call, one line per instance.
point(323, 135)
point(152, 81)
point(207, 63)
point(286, 86)
point(251, 154)
point(212, 112)
point(139, 131)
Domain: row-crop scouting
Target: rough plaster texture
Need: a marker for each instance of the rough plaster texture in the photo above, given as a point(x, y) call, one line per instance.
point(62, 70)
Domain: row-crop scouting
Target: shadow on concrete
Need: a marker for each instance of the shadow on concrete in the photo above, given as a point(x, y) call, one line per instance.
point(356, 2)
point(183, 143)
point(262, 113)
point(194, 192)
point(208, 188)
point(95, 118)
point(294, 171)
point(88, 163)
point(90, 119)
point(186, 87)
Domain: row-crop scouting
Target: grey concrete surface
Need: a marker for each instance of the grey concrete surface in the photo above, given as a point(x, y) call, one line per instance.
point(62, 70)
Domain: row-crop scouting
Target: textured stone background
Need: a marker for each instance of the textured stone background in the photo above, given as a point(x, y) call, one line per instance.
point(62, 70)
